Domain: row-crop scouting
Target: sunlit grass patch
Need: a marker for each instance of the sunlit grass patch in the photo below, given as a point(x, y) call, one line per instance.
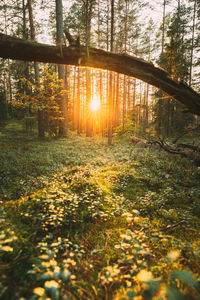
point(105, 177)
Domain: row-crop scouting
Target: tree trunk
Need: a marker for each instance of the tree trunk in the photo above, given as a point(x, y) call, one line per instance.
point(7, 77)
point(117, 104)
point(128, 97)
point(110, 99)
point(67, 87)
point(78, 102)
point(124, 105)
point(134, 92)
point(15, 48)
point(125, 46)
point(74, 122)
point(163, 26)
point(88, 101)
point(32, 32)
point(41, 129)
point(101, 102)
point(147, 105)
point(192, 45)
point(88, 18)
point(140, 106)
point(61, 69)
point(159, 122)
point(4, 102)
point(40, 115)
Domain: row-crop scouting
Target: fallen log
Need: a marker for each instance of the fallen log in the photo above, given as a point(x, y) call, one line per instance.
point(15, 48)
point(188, 151)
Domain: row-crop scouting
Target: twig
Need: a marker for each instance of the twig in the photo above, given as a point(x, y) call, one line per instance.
point(169, 228)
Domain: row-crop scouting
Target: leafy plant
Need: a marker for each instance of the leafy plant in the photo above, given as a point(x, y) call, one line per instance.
point(45, 97)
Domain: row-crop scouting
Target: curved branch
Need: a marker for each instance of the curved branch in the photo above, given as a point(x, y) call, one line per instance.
point(15, 48)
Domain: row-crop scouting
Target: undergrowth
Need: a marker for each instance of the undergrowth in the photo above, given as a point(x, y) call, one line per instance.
point(96, 222)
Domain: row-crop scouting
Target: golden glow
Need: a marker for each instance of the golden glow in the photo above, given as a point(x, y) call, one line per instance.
point(95, 103)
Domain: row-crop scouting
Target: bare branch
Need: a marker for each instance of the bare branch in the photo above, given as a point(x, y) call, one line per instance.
point(69, 37)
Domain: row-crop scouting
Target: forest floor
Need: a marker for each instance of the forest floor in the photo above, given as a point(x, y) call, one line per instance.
point(81, 220)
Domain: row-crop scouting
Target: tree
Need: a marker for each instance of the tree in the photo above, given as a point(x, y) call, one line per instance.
point(192, 40)
point(174, 59)
point(74, 24)
point(32, 34)
point(110, 99)
point(61, 69)
point(3, 108)
point(125, 49)
point(40, 114)
point(88, 9)
point(8, 9)
point(148, 48)
point(196, 60)
point(46, 96)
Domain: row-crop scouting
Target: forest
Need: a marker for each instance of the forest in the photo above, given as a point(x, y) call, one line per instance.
point(100, 150)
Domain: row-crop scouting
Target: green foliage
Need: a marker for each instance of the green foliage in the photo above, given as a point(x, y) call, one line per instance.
point(18, 110)
point(129, 125)
point(46, 97)
point(169, 117)
point(75, 21)
point(115, 222)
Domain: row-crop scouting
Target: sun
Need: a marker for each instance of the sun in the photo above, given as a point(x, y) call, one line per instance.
point(95, 103)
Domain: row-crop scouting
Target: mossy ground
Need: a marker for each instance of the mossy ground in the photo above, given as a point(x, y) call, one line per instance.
point(81, 220)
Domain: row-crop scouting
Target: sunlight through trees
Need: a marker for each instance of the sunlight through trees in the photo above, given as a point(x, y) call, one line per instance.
point(99, 164)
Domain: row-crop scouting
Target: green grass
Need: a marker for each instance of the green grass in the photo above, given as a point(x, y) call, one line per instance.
point(26, 168)
point(81, 220)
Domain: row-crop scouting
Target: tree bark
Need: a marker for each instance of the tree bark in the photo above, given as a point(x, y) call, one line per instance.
point(78, 102)
point(125, 48)
point(40, 114)
point(163, 25)
point(88, 6)
point(88, 101)
point(124, 105)
point(15, 48)
point(32, 32)
point(117, 104)
point(192, 45)
point(74, 123)
point(61, 68)
point(110, 99)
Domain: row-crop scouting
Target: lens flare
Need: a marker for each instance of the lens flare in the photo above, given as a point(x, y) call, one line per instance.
point(95, 103)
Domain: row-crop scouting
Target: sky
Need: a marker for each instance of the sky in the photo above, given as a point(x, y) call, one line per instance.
point(155, 13)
